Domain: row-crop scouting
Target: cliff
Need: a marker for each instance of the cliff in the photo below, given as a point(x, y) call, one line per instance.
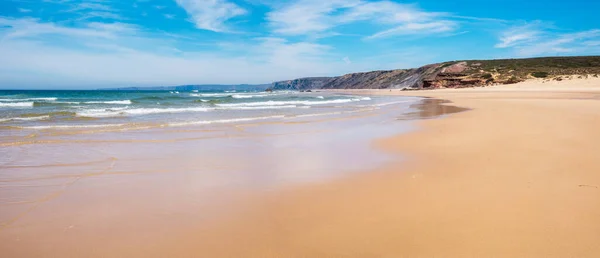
point(455, 74)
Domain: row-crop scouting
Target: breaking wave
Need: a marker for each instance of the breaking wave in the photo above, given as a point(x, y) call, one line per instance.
point(16, 104)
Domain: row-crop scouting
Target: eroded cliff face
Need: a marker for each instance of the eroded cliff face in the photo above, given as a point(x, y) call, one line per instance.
point(455, 74)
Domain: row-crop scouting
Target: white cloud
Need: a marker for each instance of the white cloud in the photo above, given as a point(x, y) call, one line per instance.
point(517, 38)
point(92, 9)
point(23, 10)
point(561, 44)
point(103, 15)
point(417, 28)
point(388, 12)
point(31, 28)
point(317, 16)
point(114, 54)
point(211, 14)
point(592, 43)
point(307, 16)
point(91, 6)
point(537, 38)
point(520, 35)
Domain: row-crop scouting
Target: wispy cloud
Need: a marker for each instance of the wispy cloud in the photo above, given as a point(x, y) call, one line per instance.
point(307, 16)
point(520, 35)
point(91, 9)
point(417, 29)
point(591, 43)
point(23, 10)
point(103, 15)
point(565, 43)
point(91, 6)
point(313, 16)
point(537, 38)
point(211, 14)
point(31, 28)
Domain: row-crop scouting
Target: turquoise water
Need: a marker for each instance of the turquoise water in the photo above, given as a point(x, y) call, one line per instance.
point(59, 110)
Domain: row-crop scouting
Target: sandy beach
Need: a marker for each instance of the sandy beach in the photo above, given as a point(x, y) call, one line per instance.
point(299, 129)
point(517, 175)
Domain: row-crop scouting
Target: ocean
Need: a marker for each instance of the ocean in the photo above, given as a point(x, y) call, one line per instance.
point(64, 109)
point(23, 111)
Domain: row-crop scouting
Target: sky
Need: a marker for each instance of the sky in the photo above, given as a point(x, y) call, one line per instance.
point(109, 43)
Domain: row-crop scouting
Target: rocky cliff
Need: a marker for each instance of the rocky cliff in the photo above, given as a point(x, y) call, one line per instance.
point(455, 74)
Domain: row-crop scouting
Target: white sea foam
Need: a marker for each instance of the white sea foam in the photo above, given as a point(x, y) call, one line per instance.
point(216, 95)
point(138, 111)
point(34, 118)
point(101, 112)
point(281, 103)
point(224, 121)
point(320, 97)
point(238, 96)
point(16, 104)
point(115, 102)
point(248, 96)
point(68, 102)
point(194, 90)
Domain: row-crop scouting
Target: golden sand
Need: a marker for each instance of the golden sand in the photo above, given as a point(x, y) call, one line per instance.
point(518, 175)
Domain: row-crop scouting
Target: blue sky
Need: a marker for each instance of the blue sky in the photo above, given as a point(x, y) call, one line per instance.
point(97, 43)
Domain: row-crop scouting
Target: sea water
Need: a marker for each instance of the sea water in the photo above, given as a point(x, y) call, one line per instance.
point(55, 110)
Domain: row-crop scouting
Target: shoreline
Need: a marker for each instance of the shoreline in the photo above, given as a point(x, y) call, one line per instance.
point(121, 191)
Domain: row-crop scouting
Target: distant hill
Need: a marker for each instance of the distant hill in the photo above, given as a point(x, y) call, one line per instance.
point(302, 83)
point(455, 74)
point(204, 87)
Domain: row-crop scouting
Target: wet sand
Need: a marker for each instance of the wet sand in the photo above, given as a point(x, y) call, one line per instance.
point(517, 175)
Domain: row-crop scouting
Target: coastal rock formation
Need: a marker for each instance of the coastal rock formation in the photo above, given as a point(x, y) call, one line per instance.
point(454, 74)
